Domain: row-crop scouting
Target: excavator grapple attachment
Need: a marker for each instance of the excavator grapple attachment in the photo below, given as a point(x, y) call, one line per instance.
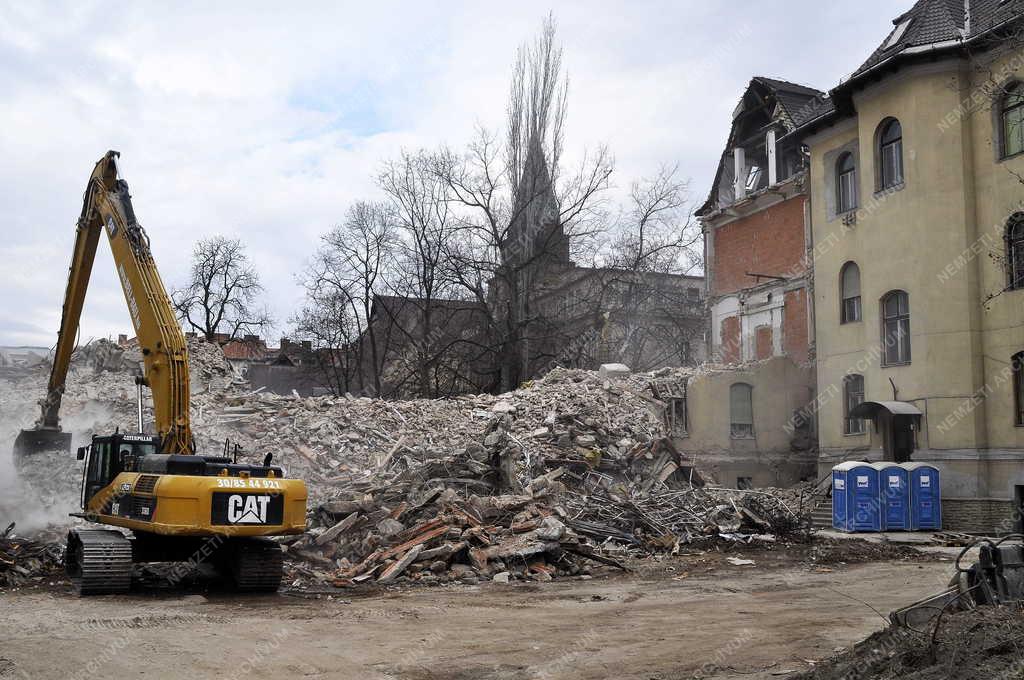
point(41, 440)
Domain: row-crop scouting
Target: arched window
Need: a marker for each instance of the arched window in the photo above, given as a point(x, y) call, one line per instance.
point(1018, 388)
point(846, 183)
point(1015, 251)
point(896, 328)
point(849, 284)
point(890, 154)
point(853, 394)
point(741, 410)
point(1011, 119)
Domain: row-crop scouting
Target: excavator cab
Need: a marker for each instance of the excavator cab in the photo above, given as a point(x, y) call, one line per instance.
point(107, 457)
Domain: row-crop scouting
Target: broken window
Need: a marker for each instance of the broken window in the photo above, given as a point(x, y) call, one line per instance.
point(890, 154)
point(1015, 251)
point(853, 395)
point(753, 178)
point(673, 393)
point(744, 482)
point(846, 183)
point(1017, 365)
point(850, 310)
point(1012, 120)
point(741, 410)
point(677, 415)
point(896, 328)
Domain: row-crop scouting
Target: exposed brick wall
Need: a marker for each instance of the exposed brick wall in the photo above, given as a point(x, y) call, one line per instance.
point(763, 342)
point(978, 515)
point(794, 325)
point(731, 347)
point(768, 242)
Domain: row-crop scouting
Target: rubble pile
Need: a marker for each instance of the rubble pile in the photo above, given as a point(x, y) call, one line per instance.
point(490, 512)
point(570, 470)
point(987, 642)
point(26, 561)
point(336, 441)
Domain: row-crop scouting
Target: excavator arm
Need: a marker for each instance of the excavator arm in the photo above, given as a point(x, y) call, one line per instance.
point(107, 206)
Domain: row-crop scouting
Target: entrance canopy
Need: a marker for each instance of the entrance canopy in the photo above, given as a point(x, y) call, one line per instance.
point(871, 409)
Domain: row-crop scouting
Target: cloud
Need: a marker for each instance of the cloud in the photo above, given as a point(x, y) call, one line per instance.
point(264, 123)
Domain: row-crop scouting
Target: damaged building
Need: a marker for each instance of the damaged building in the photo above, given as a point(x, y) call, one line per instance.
point(760, 316)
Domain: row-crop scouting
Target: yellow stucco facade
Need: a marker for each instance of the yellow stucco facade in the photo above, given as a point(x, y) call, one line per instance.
point(939, 237)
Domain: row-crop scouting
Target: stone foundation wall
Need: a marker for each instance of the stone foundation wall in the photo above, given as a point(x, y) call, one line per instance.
point(979, 515)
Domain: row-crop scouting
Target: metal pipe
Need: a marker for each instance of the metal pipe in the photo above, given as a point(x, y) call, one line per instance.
point(138, 392)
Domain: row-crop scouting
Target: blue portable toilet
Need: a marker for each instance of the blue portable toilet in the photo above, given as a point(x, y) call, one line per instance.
point(894, 490)
point(856, 505)
point(925, 497)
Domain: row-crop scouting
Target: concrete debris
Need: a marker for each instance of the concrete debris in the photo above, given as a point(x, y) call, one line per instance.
point(570, 471)
point(613, 370)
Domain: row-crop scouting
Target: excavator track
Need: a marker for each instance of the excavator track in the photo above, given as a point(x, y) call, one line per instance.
point(99, 561)
point(257, 564)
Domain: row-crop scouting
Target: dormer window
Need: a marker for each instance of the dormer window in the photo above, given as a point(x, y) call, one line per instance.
point(753, 177)
point(897, 34)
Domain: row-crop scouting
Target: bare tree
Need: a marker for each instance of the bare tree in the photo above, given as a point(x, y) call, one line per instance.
point(223, 290)
point(330, 321)
point(425, 227)
point(657, 232)
point(341, 282)
point(517, 217)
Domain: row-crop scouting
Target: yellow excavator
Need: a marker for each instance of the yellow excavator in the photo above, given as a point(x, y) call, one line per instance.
point(179, 506)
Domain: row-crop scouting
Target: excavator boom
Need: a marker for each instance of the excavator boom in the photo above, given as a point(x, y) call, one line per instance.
point(107, 206)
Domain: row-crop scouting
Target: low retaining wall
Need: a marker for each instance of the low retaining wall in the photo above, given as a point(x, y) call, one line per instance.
point(979, 515)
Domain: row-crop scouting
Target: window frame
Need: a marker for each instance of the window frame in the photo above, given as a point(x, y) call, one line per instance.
point(738, 430)
point(901, 323)
point(853, 426)
point(841, 176)
point(895, 147)
point(1013, 89)
point(1014, 242)
point(675, 405)
point(844, 316)
point(1017, 366)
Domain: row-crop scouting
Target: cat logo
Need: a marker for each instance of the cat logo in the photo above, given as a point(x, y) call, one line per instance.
point(247, 509)
point(111, 226)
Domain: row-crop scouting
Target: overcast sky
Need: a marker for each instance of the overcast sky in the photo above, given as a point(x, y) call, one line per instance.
point(256, 121)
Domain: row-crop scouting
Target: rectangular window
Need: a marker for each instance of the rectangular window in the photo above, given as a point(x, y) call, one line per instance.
point(744, 482)
point(677, 415)
point(851, 309)
point(1013, 131)
point(892, 164)
point(897, 341)
point(1018, 388)
point(847, 192)
point(753, 178)
point(854, 394)
point(741, 409)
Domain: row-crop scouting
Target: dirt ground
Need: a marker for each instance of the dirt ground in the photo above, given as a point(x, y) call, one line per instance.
point(689, 617)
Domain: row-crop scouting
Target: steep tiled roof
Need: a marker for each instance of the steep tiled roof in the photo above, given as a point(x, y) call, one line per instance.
point(933, 23)
point(799, 102)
